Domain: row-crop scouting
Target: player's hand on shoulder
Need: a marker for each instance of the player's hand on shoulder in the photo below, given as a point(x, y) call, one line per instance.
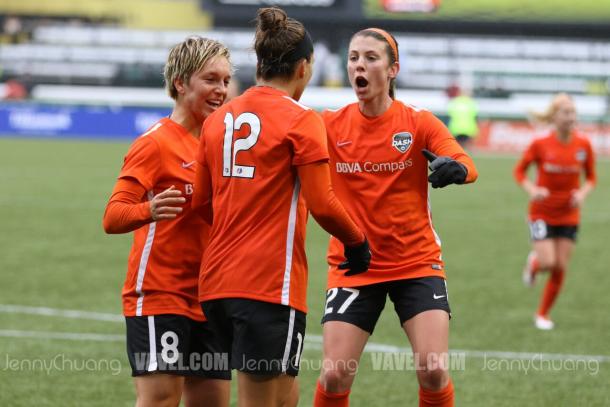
point(445, 170)
point(358, 258)
point(166, 204)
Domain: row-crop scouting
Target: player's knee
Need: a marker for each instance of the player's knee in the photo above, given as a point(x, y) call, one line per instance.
point(433, 379)
point(547, 262)
point(561, 265)
point(337, 379)
point(161, 397)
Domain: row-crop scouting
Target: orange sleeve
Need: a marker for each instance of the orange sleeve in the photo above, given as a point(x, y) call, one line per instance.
point(202, 188)
point(590, 165)
point(308, 137)
point(324, 206)
point(529, 156)
point(202, 193)
point(125, 211)
point(142, 162)
point(442, 143)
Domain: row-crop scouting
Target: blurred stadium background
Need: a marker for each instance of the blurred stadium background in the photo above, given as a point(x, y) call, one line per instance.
point(80, 79)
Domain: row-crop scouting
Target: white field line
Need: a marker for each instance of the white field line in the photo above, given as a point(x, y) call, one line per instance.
point(65, 313)
point(72, 336)
point(312, 342)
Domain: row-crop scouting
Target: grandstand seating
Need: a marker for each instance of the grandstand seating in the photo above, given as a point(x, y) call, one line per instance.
point(490, 66)
point(515, 64)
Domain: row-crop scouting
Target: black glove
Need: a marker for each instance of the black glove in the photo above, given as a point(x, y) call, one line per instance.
point(358, 259)
point(445, 170)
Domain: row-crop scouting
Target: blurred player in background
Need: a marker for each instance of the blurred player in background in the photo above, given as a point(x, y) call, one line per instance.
point(378, 153)
point(462, 110)
point(152, 198)
point(263, 155)
point(555, 198)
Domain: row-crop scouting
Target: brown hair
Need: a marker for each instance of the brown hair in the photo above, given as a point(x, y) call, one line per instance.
point(188, 57)
point(390, 49)
point(276, 36)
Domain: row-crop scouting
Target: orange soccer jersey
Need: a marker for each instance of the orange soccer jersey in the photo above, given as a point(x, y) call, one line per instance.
point(381, 177)
point(251, 148)
point(559, 167)
point(165, 257)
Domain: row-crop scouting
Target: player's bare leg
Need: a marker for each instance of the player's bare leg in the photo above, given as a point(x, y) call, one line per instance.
point(343, 346)
point(201, 391)
point(158, 390)
point(546, 254)
point(293, 397)
point(263, 390)
point(563, 252)
point(543, 257)
point(564, 248)
point(428, 333)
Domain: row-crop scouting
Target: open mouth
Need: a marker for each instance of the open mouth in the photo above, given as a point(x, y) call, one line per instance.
point(361, 82)
point(215, 104)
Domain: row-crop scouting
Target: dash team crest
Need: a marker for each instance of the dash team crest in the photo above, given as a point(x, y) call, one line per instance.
point(402, 141)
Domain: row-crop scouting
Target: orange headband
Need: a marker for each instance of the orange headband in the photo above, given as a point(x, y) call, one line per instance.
point(388, 38)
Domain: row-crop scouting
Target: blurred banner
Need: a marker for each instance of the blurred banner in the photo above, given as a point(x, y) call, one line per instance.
point(410, 6)
point(103, 122)
point(77, 121)
point(515, 136)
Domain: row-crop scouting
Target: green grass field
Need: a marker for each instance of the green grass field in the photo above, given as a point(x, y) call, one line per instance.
point(53, 253)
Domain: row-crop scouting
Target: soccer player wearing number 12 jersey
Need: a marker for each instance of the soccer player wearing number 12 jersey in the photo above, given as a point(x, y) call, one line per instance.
point(262, 164)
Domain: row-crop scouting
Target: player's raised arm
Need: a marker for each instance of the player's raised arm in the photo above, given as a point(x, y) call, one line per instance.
point(126, 212)
point(449, 162)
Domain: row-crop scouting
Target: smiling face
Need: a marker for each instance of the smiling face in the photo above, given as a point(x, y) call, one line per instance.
point(369, 68)
point(206, 89)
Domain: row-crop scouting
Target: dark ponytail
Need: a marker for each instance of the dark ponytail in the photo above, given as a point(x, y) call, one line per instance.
point(280, 42)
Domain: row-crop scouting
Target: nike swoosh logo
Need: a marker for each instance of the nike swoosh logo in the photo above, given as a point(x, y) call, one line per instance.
point(436, 297)
point(344, 143)
point(186, 165)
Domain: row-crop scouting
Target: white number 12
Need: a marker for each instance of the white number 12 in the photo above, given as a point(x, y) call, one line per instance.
point(231, 148)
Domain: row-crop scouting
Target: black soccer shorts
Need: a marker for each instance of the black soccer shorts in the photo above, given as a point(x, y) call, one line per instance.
point(362, 306)
point(260, 337)
point(540, 230)
point(173, 344)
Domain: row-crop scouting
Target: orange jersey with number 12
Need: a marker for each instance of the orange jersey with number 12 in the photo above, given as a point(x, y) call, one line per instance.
point(251, 147)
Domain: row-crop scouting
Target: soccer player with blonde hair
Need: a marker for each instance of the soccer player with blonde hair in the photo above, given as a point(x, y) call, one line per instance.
point(555, 198)
point(167, 334)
